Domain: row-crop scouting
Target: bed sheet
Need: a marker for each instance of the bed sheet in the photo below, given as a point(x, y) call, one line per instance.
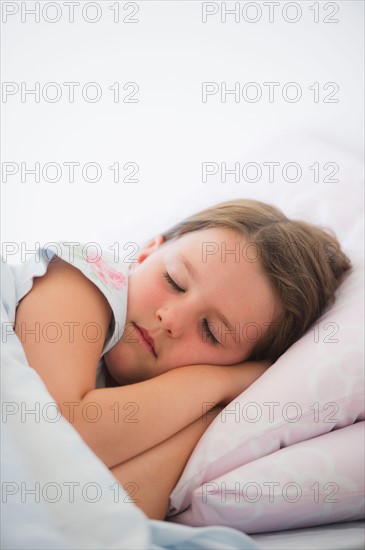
point(337, 536)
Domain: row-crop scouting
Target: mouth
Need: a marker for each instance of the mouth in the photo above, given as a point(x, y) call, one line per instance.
point(146, 339)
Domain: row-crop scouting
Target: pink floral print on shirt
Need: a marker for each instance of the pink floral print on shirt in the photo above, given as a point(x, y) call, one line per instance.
point(110, 276)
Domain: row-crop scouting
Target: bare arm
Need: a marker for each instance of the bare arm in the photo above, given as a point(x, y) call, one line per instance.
point(150, 477)
point(131, 419)
point(66, 302)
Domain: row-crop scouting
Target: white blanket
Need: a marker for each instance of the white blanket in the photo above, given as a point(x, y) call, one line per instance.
point(56, 493)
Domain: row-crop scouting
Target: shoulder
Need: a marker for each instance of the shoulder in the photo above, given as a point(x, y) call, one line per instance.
point(62, 324)
point(67, 288)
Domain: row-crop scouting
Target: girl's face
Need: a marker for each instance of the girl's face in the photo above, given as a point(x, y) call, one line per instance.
point(202, 299)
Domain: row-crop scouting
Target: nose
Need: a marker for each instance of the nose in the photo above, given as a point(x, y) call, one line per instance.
point(172, 322)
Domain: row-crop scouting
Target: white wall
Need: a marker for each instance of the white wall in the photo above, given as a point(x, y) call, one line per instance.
point(170, 131)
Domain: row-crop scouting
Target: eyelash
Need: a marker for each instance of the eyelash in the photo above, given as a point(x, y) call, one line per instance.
point(208, 333)
point(172, 283)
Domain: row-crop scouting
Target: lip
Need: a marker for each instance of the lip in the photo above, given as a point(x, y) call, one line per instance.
point(146, 339)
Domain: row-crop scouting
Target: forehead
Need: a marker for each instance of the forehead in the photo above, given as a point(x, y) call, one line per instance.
point(216, 243)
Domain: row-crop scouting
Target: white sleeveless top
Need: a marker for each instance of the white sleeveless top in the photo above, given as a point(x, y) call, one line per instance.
point(109, 274)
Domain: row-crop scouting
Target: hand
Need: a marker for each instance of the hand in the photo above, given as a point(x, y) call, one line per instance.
point(237, 378)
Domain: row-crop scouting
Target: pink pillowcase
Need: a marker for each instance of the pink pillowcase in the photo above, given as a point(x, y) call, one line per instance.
point(317, 386)
point(310, 483)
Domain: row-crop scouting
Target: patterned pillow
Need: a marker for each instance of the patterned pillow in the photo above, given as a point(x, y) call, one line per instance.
point(311, 483)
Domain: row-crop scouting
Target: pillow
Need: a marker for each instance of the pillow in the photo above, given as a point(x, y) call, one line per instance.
point(315, 387)
point(311, 483)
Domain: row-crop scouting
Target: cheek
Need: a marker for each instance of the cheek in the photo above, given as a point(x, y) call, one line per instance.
point(145, 293)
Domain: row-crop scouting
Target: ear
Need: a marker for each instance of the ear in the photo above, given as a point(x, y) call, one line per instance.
point(151, 247)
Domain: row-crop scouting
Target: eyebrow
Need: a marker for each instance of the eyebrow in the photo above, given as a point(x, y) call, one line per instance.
point(193, 274)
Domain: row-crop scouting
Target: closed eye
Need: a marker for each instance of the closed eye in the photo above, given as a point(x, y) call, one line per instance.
point(206, 330)
point(172, 283)
point(208, 333)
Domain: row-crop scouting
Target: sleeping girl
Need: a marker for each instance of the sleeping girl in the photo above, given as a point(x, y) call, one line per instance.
point(141, 357)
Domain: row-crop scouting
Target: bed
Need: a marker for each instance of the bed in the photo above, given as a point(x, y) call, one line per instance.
point(56, 493)
point(66, 498)
point(338, 536)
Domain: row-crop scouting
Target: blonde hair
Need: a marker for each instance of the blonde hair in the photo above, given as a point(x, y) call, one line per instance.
point(303, 262)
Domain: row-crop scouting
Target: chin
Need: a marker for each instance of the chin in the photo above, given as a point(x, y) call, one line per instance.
point(121, 377)
point(110, 381)
point(113, 374)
